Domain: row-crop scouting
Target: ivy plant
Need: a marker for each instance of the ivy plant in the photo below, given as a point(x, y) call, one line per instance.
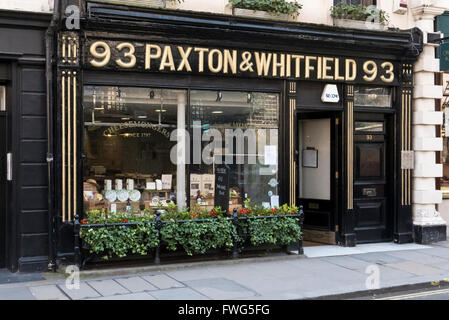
point(120, 241)
point(274, 6)
point(198, 237)
point(280, 231)
point(358, 12)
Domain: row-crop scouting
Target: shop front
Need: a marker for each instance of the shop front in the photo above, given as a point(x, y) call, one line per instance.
point(159, 109)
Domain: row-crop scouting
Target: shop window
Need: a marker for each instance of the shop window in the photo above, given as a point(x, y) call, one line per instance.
point(365, 96)
point(243, 160)
point(127, 148)
point(357, 2)
point(132, 161)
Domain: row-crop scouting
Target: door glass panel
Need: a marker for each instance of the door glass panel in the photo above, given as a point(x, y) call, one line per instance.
point(365, 126)
point(369, 161)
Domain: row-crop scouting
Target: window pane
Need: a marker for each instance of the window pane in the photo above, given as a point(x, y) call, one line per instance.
point(372, 97)
point(127, 147)
point(245, 129)
point(2, 98)
point(369, 161)
point(369, 126)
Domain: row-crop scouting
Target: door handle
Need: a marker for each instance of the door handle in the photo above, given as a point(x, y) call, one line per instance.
point(9, 166)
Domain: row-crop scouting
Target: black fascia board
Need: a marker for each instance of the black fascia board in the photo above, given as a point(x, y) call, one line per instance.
point(227, 29)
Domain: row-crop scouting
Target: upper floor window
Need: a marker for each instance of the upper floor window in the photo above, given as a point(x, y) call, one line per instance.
point(357, 2)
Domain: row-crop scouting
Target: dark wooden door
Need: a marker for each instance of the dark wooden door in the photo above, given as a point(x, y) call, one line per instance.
point(372, 179)
point(3, 202)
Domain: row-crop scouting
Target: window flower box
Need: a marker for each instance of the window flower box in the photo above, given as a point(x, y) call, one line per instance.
point(265, 9)
point(359, 17)
point(170, 234)
point(137, 3)
point(357, 24)
point(259, 14)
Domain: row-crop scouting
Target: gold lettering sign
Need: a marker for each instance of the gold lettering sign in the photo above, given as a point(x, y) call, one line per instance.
point(155, 57)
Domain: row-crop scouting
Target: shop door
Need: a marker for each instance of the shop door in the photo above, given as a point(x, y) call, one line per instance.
point(372, 179)
point(3, 201)
point(318, 174)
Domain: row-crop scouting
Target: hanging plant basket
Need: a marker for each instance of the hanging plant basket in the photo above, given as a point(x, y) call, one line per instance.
point(259, 14)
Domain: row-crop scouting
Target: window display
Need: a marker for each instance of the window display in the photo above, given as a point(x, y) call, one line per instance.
point(231, 143)
point(243, 156)
point(127, 147)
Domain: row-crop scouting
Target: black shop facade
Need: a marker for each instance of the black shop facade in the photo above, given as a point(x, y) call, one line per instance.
point(150, 106)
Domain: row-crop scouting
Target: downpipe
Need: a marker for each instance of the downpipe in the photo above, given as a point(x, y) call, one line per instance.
point(49, 46)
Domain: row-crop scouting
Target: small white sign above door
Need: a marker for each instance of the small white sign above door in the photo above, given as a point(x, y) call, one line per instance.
point(330, 94)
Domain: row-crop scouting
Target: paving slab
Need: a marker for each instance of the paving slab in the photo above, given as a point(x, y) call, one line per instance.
point(420, 257)
point(108, 287)
point(442, 252)
point(220, 288)
point(348, 262)
point(163, 281)
point(136, 284)
point(84, 292)
point(9, 277)
point(378, 258)
point(49, 292)
point(130, 296)
point(19, 293)
point(415, 268)
point(177, 294)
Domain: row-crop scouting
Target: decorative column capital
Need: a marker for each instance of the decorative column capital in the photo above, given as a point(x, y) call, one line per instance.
point(423, 10)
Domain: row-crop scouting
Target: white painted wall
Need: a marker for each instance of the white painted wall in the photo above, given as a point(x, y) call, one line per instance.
point(27, 5)
point(315, 182)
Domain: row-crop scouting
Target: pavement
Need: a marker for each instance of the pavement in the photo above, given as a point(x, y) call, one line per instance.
point(323, 271)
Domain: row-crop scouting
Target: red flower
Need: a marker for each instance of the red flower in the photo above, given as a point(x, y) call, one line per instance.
point(193, 216)
point(213, 212)
point(125, 220)
point(83, 221)
point(242, 211)
point(293, 212)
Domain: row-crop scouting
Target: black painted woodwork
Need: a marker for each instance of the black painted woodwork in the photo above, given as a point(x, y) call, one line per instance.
point(22, 57)
point(113, 22)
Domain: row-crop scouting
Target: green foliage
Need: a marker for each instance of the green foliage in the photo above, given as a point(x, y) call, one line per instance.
point(201, 230)
point(359, 12)
point(280, 231)
point(172, 213)
point(198, 237)
point(274, 6)
point(120, 241)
